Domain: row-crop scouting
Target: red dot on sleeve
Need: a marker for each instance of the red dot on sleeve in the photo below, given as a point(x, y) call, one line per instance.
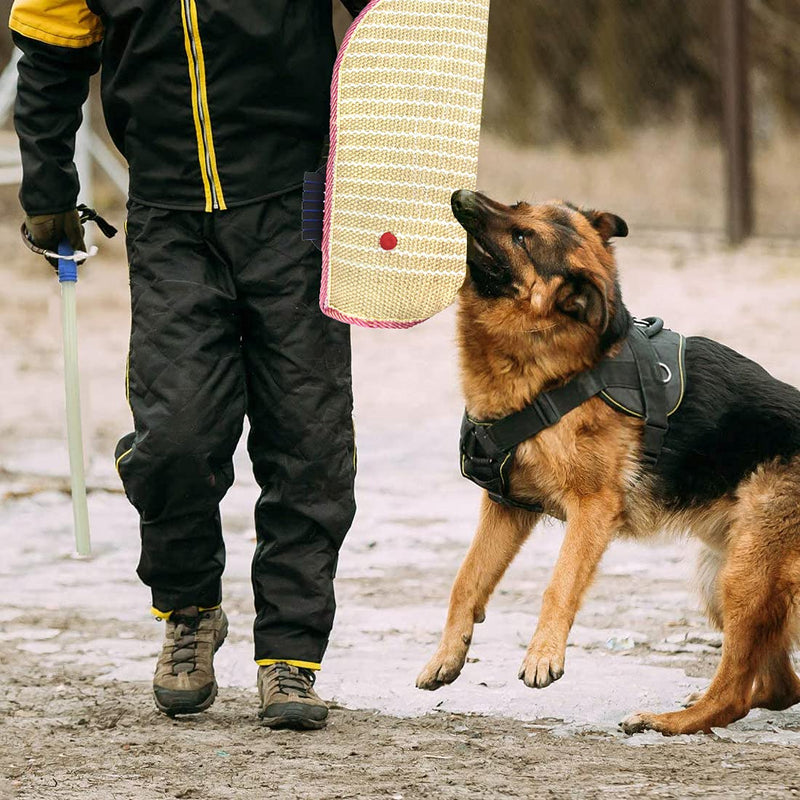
point(388, 241)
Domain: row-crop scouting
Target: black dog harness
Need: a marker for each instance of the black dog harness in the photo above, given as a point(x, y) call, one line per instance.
point(646, 379)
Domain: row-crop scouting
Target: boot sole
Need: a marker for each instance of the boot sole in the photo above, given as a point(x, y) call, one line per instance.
point(293, 716)
point(177, 709)
point(295, 723)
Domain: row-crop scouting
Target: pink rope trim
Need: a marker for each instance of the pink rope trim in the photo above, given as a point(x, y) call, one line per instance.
point(326, 225)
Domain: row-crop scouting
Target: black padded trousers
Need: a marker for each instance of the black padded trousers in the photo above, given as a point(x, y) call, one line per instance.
point(226, 322)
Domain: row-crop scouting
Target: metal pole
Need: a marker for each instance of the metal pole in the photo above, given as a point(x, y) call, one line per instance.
point(736, 121)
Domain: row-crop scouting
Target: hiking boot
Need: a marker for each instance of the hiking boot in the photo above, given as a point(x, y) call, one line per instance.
point(184, 681)
point(288, 699)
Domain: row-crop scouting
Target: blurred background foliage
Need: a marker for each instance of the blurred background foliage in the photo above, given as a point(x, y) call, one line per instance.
point(588, 72)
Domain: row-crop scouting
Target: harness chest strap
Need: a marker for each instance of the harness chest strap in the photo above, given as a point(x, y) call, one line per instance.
point(545, 411)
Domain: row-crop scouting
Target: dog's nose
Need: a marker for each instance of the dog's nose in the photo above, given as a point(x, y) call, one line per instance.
point(462, 201)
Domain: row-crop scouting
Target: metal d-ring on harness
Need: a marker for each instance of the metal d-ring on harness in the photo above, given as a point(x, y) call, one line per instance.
point(488, 447)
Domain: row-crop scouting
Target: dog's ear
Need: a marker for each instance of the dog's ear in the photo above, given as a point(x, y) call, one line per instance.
point(607, 224)
point(586, 302)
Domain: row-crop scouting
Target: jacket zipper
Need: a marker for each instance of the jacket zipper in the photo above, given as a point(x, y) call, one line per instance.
point(194, 51)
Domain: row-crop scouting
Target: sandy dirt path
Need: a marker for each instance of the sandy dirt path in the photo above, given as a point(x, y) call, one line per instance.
point(77, 647)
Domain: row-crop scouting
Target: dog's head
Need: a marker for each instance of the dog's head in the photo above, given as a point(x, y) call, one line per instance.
point(541, 269)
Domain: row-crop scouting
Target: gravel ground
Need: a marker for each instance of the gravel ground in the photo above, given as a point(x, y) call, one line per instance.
point(77, 647)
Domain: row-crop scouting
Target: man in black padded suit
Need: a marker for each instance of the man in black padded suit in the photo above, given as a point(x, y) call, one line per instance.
point(219, 109)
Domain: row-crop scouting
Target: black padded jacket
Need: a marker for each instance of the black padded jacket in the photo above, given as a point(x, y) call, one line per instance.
point(214, 104)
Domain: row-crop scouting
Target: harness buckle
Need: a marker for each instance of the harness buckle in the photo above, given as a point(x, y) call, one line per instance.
point(546, 410)
point(488, 444)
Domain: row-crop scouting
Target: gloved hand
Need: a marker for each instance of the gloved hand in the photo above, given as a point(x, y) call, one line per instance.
point(49, 230)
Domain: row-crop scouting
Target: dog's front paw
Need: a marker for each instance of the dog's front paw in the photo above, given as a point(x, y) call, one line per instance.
point(442, 669)
point(541, 669)
point(638, 722)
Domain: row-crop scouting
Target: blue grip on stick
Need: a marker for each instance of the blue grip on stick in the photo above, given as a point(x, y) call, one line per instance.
point(67, 270)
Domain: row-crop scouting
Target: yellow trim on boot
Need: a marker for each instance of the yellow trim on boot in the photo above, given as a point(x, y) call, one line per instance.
point(163, 616)
point(265, 662)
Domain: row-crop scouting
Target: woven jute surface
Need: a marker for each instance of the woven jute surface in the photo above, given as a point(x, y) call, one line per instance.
point(406, 113)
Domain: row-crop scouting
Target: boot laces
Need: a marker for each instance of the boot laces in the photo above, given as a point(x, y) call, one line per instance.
point(294, 680)
point(184, 647)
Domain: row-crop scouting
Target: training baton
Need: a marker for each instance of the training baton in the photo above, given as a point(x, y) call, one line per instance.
point(68, 277)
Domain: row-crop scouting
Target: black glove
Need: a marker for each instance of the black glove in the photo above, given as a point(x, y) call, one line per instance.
point(42, 232)
point(49, 230)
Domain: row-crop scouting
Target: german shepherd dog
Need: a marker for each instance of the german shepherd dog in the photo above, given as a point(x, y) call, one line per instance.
point(541, 304)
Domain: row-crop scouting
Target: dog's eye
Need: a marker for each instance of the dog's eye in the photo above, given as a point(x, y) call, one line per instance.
point(519, 238)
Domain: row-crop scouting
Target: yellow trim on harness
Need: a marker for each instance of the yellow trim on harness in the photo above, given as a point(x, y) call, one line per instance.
point(503, 478)
point(265, 662)
point(627, 410)
point(681, 347)
point(66, 23)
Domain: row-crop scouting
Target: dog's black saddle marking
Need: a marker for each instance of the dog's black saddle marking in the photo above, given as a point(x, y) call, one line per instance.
point(646, 379)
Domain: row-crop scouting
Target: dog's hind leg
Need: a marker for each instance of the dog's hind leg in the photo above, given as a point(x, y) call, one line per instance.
point(758, 584)
point(501, 532)
point(755, 619)
point(777, 686)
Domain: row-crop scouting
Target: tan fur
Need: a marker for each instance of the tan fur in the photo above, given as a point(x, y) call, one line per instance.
point(585, 469)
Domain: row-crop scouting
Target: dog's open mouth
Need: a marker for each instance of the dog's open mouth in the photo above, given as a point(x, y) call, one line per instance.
point(481, 258)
